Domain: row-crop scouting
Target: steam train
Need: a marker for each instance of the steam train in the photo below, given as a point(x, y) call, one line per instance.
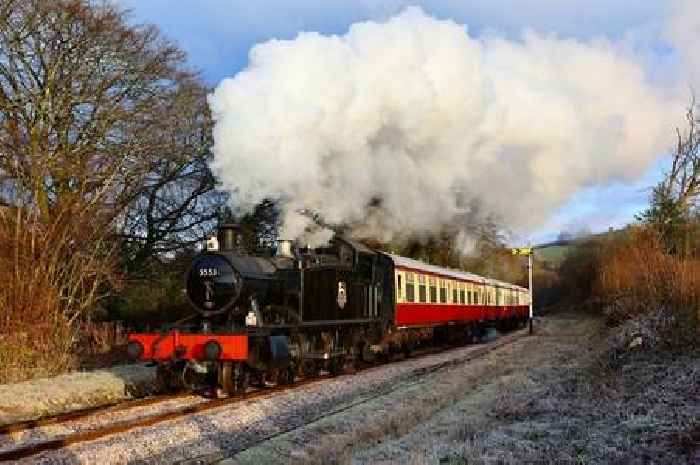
point(270, 318)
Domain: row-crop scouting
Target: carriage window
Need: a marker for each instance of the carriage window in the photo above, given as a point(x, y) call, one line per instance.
point(462, 300)
point(469, 297)
point(455, 292)
point(443, 291)
point(410, 278)
point(433, 289)
point(399, 287)
point(421, 288)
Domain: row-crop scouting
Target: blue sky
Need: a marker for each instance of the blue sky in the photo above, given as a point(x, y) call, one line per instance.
point(217, 36)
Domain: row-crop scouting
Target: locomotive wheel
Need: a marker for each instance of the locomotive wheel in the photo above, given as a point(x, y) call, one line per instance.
point(366, 355)
point(407, 348)
point(310, 368)
point(470, 338)
point(285, 376)
point(335, 366)
point(227, 381)
point(242, 380)
point(234, 378)
point(168, 378)
point(191, 380)
point(258, 379)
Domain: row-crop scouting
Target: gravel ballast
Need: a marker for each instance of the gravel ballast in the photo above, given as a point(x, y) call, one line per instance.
point(211, 436)
point(31, 400)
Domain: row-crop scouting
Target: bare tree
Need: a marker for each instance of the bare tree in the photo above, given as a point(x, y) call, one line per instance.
point(101, 132)
point(76, 89)
point(682, 182)
point(673, 209)
point(176, 203)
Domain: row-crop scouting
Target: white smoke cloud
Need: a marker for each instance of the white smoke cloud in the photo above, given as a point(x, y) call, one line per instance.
point(683, 30)
point(399, 128)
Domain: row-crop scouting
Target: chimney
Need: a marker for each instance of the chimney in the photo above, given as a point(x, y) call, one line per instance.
point(229, 235)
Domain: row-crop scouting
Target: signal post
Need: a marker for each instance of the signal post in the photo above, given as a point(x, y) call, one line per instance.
point(527, 251)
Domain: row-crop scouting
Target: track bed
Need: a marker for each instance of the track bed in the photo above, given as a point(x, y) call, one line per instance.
point(204, 430)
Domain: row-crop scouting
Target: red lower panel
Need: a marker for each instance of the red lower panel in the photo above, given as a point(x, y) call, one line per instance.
point(190, 346)
point(421, 314)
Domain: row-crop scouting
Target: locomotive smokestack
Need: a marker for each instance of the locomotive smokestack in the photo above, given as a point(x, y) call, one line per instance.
point(229, 236)
point(284, 249)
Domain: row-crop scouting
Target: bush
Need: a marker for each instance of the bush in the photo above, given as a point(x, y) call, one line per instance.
point(53, 282)
point(636, 276)
point(151, 301)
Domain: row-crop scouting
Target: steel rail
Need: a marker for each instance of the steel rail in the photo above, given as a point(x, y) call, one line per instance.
point(28, 425)
point(66, 440)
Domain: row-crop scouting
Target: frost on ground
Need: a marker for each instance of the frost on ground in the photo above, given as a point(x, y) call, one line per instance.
point(30, 400)
point(567, 395)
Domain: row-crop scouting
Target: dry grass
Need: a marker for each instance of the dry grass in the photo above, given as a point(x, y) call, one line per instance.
point(636, 277)
point(54, 272)
point(582, 395)
point(609, 404)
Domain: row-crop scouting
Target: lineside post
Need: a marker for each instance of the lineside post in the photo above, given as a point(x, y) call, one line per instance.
point(529, 251)
point(529, 277)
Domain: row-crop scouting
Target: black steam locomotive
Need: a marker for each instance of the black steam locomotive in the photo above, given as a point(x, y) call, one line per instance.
point(255, 321)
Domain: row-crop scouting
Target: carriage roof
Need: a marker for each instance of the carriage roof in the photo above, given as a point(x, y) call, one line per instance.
point(417, 265)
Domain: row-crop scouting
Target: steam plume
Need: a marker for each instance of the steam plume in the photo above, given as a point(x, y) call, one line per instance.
point(400, 128)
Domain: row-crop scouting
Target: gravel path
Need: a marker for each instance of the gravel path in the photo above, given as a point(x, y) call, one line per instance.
point(210, 436)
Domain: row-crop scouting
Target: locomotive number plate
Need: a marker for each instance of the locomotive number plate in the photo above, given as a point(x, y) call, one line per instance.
point(208, 272)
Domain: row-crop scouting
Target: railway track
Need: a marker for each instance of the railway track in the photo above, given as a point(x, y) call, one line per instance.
point(198, 405)
point(24, 426)
point(478, 352)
